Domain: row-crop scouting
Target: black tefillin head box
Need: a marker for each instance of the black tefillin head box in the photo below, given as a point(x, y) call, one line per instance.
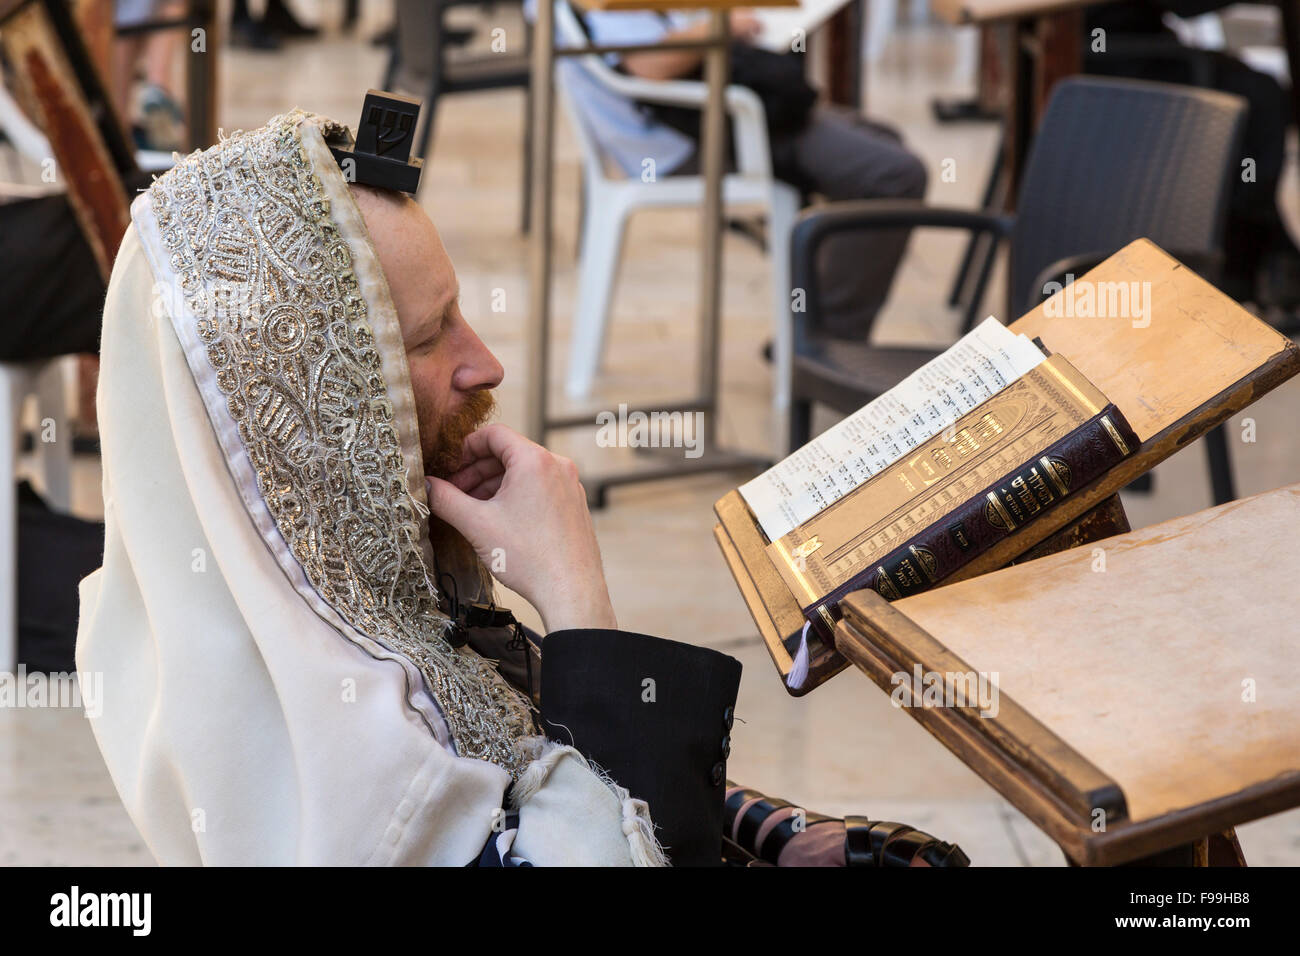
point(381, 154)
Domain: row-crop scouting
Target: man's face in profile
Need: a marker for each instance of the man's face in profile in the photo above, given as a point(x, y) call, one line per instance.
point(452, 371)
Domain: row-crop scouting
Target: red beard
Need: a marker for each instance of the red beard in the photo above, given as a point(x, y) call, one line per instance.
point(445, 445)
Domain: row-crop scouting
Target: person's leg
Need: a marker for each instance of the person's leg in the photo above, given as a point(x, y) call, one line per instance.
point(280, 18)
point(160, 122)
point(51, 293)
point(1259, 249)
point(842, 156)
point(1261, 260)
point(127, 50)
point(249, 33)
point(416, 34)
point(161, 48)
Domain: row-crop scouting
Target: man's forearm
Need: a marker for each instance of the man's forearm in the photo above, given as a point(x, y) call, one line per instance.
point(583, 604)
point(669, 64)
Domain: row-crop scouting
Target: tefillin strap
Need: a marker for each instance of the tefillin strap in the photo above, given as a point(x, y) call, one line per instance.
point(476, 615)
point(381, 153)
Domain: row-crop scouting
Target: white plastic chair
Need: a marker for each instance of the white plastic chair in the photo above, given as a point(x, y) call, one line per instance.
point(47, 381)
point(611, 200)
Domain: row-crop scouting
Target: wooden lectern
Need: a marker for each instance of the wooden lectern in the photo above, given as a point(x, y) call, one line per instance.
point(1144, 680)
point(1195, 360)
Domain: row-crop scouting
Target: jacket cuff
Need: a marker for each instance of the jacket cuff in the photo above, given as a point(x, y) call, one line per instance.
point(656, 715)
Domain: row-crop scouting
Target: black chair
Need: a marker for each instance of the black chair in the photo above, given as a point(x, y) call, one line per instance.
point(1125, 56)
point(467, 74)
point(1113, 161)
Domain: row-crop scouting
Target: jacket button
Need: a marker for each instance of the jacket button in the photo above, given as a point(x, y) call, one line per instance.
point(718, 772)
point(726, 747)
point(728, 716)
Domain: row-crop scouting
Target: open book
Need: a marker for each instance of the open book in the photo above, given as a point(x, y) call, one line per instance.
point(981, 364)
point(977, 443)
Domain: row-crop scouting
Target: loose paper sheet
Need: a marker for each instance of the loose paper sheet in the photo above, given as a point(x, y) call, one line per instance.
point(981, 364)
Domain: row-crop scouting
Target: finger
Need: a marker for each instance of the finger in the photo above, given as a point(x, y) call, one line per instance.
point(472, 488)
point(486, 490)
point(495, 441)
point(468, 477)
point(453, 506)
point(470, 453)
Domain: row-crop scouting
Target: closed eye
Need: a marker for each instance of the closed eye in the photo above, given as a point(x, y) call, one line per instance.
point(430, 331)
point(426, 341)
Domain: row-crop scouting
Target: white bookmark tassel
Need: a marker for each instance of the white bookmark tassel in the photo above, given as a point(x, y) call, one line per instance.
point(799, 669)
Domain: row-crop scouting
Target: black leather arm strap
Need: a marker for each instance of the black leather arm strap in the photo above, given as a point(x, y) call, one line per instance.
point(787, 830)
point(880, 843)
point(754, 817)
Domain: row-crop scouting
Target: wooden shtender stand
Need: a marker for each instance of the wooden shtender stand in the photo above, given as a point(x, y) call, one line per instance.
point(1145, 697)
point(1143, 709)
point(1192, 361)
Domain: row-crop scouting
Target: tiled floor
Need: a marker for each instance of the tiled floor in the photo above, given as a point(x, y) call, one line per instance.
point(842, 749)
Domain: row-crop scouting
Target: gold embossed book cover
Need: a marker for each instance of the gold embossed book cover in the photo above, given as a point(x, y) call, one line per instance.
point(944, 500)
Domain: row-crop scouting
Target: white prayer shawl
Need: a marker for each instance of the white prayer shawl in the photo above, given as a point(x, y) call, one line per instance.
point(276, 687)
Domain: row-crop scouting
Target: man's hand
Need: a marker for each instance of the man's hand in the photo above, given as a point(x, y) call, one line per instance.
point(514, 495)
point(744, 24)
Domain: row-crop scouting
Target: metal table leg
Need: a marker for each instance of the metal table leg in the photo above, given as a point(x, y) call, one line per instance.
point(539, 263)
point(713, 151)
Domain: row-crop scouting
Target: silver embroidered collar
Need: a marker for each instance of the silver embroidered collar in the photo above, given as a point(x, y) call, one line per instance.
point(269, 280)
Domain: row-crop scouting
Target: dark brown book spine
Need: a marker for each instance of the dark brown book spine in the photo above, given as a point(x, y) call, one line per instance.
point(1001, 509)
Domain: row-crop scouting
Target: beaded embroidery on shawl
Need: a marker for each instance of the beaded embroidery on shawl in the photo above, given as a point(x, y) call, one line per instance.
point(264, 269)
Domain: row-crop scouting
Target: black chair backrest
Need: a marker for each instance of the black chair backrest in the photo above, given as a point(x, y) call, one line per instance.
point(1118, 160)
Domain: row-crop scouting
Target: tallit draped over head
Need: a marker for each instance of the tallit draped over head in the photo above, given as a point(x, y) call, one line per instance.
point(277, 684)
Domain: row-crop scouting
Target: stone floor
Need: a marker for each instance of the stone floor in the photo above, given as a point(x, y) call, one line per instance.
point(842, 749)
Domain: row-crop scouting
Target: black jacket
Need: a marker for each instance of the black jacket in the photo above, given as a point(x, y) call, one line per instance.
point(656, 715)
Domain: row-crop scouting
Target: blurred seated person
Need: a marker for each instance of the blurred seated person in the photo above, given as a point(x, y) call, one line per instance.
point(415, 36)
point(278, 23)
point(1262, 263)
point(822, 150)
point(51, 295)
point(51, 292)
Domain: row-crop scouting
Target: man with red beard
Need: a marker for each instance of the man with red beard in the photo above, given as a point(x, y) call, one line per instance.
point(302, 659)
